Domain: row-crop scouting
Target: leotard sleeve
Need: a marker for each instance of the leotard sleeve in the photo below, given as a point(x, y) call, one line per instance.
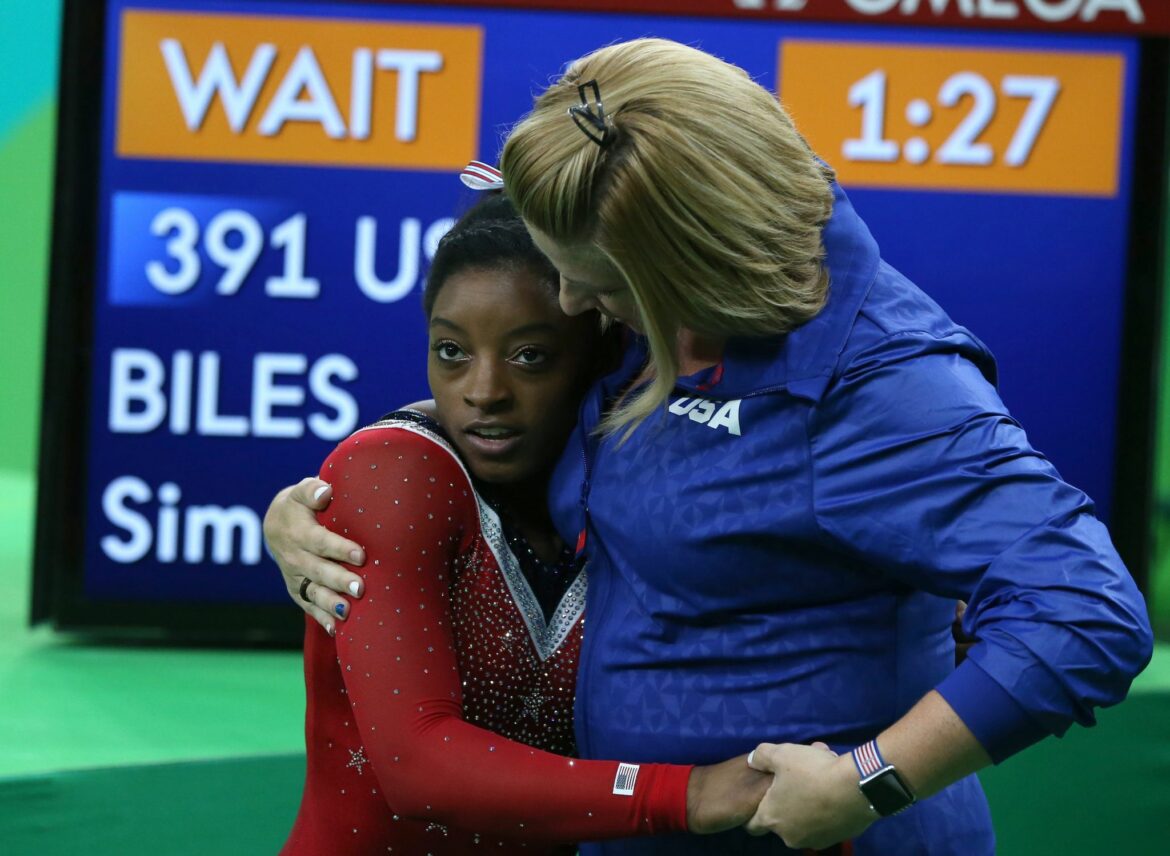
point(408, 502)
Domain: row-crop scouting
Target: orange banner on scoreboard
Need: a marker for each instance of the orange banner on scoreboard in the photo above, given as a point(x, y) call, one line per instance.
point(954, 118)
point(298, 90)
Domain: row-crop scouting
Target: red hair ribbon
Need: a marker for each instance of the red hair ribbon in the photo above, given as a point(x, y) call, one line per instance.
point(481, 176)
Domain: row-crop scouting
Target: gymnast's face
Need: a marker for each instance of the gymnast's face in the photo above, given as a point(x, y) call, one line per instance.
point(507, 369)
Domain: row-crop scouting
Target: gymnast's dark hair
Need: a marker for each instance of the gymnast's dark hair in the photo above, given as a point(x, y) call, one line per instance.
point(489, 235)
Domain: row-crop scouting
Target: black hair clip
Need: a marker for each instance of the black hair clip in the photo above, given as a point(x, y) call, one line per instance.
point(592, 124)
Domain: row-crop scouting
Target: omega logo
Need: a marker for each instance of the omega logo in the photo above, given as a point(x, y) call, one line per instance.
point(1053, 11)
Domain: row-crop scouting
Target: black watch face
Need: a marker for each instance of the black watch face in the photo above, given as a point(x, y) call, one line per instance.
point(887, 793)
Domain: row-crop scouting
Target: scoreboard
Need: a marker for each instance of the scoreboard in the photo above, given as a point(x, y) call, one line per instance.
point(249, 194)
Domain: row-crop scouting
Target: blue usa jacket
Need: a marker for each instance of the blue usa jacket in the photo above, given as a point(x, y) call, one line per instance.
point(777, 555)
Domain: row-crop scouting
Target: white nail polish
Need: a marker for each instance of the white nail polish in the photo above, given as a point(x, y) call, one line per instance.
point(751, 755)
point(319, 491)
point(353, 588)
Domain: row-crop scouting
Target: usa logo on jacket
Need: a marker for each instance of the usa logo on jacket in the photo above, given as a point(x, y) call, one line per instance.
point(709, 413)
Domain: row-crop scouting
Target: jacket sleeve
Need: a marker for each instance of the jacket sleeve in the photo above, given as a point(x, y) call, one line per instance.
point(410, 505)
point(922, 474)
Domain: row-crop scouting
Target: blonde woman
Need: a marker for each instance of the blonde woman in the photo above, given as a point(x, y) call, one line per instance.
point(800, 465)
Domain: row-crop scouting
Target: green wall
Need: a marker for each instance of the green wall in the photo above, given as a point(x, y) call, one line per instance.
point(29, 38)
point(1159, 578)
point(28, 81)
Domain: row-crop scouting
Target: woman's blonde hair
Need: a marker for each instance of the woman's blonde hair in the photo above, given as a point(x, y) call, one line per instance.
point(704, 197)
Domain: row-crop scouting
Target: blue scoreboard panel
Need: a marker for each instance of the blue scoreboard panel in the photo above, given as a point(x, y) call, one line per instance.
point(268, 182)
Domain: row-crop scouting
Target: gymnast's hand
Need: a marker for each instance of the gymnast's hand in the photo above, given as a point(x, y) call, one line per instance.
point(308, 554)
point(963, 641)
point(724, 796)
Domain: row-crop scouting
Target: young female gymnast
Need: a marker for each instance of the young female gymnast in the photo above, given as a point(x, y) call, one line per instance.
point(434, 709)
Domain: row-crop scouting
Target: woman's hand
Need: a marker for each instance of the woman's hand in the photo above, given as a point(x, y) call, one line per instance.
point(814, 801)
point(306, 550)
point(724, 796)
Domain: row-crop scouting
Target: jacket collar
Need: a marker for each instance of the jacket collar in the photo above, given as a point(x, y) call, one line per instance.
point(803, 361)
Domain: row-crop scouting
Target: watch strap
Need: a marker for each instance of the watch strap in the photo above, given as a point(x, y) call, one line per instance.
point(885, 790)
point(868, 759)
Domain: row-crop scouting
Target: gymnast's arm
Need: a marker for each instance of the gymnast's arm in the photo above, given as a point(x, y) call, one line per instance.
point(409, 505)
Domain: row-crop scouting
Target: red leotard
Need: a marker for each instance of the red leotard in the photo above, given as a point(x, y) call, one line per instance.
point(432, 716)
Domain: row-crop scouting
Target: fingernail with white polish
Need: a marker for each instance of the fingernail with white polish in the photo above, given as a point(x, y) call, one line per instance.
point(317, 494)
point(355, 588)
point(751, 755)
point(329, 629)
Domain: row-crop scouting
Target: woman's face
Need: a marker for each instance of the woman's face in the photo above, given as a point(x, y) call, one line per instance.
point(507, 369)
point(589, 280)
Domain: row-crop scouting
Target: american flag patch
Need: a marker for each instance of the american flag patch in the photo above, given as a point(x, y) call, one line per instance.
point(868, 759)
point(623, 782)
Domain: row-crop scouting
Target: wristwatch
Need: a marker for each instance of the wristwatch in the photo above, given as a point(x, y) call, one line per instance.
point(885, 790)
